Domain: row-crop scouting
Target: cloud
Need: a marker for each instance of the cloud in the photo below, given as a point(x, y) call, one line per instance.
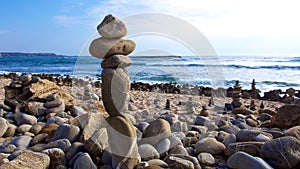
point(66, 21)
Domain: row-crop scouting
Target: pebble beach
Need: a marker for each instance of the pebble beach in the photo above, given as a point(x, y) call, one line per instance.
point(60, 122)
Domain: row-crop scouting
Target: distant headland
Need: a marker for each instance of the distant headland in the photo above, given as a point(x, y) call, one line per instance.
point(27, 54)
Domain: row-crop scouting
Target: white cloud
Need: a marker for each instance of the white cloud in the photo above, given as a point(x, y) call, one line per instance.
point(66, 21)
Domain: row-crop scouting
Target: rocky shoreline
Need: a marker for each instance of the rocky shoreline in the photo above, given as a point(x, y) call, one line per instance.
point(68, 132)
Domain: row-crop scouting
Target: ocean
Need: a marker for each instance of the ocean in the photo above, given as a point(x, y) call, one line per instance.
point(269, 72)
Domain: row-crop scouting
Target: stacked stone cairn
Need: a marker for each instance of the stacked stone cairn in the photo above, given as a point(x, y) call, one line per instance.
point(236, 96)
point(115, 89)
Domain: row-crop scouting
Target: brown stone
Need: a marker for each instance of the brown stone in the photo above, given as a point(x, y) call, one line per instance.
point(116, 61)
point(294, 131)
point(122, 142)
point(157, 130)
point(104, 47)
point(251, 147)
point(287, 116)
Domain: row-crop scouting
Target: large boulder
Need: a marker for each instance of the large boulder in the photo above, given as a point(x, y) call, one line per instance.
point(287, 116)
point(242, 160)
point(157, 130)
point(283, 152)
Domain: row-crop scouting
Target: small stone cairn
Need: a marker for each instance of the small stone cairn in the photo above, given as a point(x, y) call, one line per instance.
point(115, 89)
point(236, 95)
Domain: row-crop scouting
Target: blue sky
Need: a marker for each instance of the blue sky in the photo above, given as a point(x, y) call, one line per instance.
point(236, 27)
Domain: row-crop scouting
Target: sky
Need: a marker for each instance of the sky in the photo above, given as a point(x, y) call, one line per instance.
point(232, 27)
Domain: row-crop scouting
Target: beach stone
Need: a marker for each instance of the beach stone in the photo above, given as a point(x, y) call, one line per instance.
point(179, 163)
point(209, 134)
point(40, 138)
point(163, 146)
point(67, 131)
point(28, 160)
point(209, 145)
point(252, 135)
point(283, 152)
point(74, 149)
point(105, 47)
point(287, 116)
point(179, 126)
point(117, 86)
point(174, 141)
point(122, 136)
point(36, 128)
point(50, 130)
point(179, 134)
point(294, 131)
point(202, 121)
point(54, 103)
point(251, 122)
point(243, 111)
point(25, 78)
point(77, 111)
point(10, 132)
point(231, 138)
point(182, 161)
point(158, 162)
point(22, 118)
point(205, 111)
point(142, 126)
point(97, 142)
point(21, 141)
point(57, 157)
point(148, 152)
point(51, 97)
point(242, 160)
point(157, 130)
point(35, 108)
point(24, 128)
point(275, 133)
point(252, 148)
point(178, 149)
point(199, 129)
point(206, 159)
point(112, 27)
point(10, 148)
point(63, 144)
point(263, 138)
point(84, 161)
point(264, 117)
point(89, 123)
point(116, 61)
point(57, 109)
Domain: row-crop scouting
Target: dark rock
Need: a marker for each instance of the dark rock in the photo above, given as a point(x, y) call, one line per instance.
point(287, 116)
point(67, 131)
point(157, 130)
point(22, 118)
point(283, 152)
point(246, 161)
point(84, 161)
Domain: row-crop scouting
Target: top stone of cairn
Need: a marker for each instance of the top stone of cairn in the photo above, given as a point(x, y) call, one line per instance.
point(112, 27)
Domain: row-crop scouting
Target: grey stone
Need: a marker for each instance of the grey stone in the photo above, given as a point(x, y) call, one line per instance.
point(63, 144)
point(201, 120)
point(252, 148)
point(24, 128)
point(158, 162)
point(112, 27)
point(84, 161)
point(117, 86)
point(148, 152)
point(77, 111)
point(54, 103)
point(283, 152)
point(206, 159)
point(250, 135)
point(163, 146)
point(209, 145)
point(179, 149)
point(74, 149)
point(22, 118)
point(97, 142)
point(40, 138)
point(179, 127)
point(21, 141)
point(242, 160)
point(104, 47)
point(10, 148)
point(67, 131)
point(231, 138)
point(57, 109)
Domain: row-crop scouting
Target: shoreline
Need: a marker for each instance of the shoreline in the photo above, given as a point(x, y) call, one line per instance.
point(171, 87)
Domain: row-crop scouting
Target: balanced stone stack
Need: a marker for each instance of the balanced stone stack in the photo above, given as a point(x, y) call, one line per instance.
point(115, 89)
